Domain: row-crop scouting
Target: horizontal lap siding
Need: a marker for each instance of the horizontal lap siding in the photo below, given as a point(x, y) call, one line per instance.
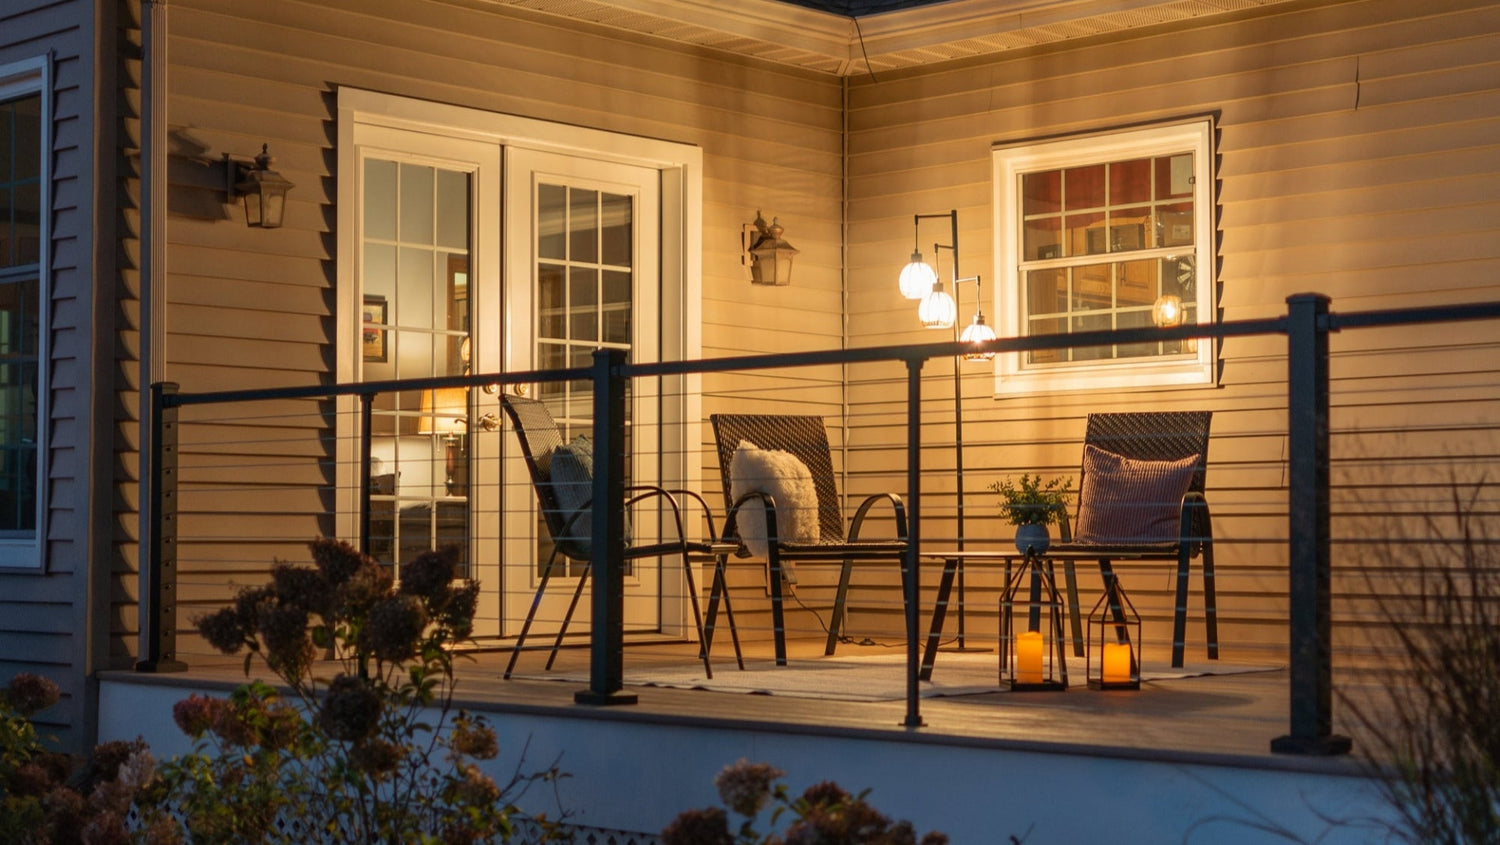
point(1357, 152)
point(250, 308)
point(44, 615)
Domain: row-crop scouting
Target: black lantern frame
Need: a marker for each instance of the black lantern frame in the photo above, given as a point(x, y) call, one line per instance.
point(1042, 599)
point(1113, 622)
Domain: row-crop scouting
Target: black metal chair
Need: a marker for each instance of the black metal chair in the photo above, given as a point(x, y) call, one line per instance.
point(565, 513)
point(1156, 436)
point(805, 438)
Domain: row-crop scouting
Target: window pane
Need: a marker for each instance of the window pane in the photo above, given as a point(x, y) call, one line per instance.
point(1041, 193)
point(416, 225)
point(551, 305)
point(583, 319)
point(1086, 235)
point(1130, 182)
point(1043, 239)
point(1083, 187)
point(453, 209)
point(380, 199)
point(1174, 176)
point(617, 238)
point(1175, 224)
point(583, 225)
point(19, 335)
point(552, 221)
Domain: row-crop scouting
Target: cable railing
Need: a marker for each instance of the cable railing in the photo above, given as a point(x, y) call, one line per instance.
point(242, 478)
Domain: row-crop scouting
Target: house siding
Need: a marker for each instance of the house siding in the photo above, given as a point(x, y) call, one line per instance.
point(46, 616)
point(1357, 157)
point(250, 308)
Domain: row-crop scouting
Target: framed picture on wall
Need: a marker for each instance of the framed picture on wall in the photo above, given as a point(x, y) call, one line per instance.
point(374, 335)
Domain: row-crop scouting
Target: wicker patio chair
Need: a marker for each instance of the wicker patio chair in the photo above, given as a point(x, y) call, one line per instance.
point(806, 439)
point(566, 504)
point(1124, 501)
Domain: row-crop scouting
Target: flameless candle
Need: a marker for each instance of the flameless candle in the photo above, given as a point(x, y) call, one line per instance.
point(1029, 657)
point(1116, 663)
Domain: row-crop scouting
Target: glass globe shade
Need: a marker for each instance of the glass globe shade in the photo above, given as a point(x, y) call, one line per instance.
point(938, 310)
point(917, 278)
point(978, 332)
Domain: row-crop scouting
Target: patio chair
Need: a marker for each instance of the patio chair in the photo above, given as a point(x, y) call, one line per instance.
point(789, 536)
point(562, 475)
point(1141, 497)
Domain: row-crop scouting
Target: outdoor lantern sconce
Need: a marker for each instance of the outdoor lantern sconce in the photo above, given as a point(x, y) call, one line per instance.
point(1032, 659)
point(769, 257)
point(264, 189)
point(1113, 656)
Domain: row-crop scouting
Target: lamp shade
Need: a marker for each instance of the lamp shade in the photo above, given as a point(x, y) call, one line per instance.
point(445, 410)
point(978, 332)
point(917, 278)
point(938, 310)
point(1167, 311)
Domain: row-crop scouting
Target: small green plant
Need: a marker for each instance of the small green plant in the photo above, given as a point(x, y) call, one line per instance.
point(1030, 502)
point(824, 813)
point(375, 753)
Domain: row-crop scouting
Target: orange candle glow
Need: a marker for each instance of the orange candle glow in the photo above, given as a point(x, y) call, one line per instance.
point(1029, 657)
point(1116, 668)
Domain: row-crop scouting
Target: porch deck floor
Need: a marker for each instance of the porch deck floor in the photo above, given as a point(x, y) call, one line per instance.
point(1225, 720)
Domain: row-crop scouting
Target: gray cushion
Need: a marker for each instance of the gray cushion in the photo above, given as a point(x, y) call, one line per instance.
point(1125, 500)
point(571, 473)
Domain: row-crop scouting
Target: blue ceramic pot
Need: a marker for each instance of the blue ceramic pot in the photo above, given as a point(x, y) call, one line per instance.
point(1033, 536)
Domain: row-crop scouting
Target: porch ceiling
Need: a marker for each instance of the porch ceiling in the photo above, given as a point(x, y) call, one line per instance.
point(849, 37)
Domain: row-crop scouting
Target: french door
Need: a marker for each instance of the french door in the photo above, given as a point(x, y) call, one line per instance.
point(582, 251)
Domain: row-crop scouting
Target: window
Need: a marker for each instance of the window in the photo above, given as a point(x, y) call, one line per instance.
point(22, 292)
point(1093, 230)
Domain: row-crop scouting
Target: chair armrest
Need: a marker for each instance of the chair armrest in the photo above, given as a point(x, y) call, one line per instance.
point(897, 506)
point(731, 526)
point(647, 491)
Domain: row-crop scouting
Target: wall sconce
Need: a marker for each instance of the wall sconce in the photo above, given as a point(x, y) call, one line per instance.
point(264, 189)
point(445, 411)
point(769, 257)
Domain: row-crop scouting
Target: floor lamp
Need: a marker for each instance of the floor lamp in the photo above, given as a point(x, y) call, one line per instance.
point(938, 310)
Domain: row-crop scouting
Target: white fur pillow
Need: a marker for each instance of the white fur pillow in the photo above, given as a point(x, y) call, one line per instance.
point(788, 482)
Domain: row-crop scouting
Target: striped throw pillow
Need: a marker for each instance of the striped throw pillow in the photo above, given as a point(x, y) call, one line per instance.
point(1127, 501)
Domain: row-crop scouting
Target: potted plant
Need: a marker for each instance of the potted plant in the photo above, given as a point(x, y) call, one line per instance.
point(1032, 506)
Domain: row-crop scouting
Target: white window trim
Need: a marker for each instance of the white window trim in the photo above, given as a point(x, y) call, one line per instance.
point(1009, 162)
point(19, 79)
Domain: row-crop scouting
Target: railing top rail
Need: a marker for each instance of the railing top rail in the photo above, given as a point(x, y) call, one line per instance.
point(870, 354)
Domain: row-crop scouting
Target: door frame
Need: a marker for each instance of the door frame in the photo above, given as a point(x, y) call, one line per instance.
point(681, 168)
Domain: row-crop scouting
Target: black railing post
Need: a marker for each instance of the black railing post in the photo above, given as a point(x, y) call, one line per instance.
point(1309, 579)
point(607, 549)
point(911, 582)
point(160, 616)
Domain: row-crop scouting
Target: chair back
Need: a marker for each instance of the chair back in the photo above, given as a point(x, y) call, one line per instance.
point(1153, 436)
point(802, 436)
point(540, 437)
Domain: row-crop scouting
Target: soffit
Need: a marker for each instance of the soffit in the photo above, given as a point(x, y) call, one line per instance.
point(876, 35)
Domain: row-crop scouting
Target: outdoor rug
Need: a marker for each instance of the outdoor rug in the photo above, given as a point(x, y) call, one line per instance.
point(877, 677)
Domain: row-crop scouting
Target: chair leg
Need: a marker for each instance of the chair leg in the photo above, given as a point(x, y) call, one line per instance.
point(778, 613)
point(721, 588)
point(836, 622)
point(692, 584)
point(562, 631)
point(1210, 603)
point(1179, 618)
point(1075, 615)
point(536, 602)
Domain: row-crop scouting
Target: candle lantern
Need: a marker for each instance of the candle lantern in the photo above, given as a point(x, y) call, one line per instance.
point(1032, 646)
point(1113, 658)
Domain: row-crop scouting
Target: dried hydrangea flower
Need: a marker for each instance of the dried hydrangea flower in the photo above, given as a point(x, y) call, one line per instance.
point(283, 628)
point(474, 737)
point(457, 614)
point(709, 826)
point(376, 757)
point(428, 573)
point(196, 714)
point(302, 586)
point(825, 794)
point(223, 629)
point(393, 628)
point(745, 787)
point(475, 788)
point(337, 560)
point(28, 692)
point(351, 709)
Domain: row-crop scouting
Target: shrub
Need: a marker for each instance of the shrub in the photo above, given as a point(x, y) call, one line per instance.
point(1030, 502)
point(349, 758)
point(824, 814)
point(1432, 734)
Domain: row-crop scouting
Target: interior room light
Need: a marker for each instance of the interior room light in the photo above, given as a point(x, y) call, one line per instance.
point(1167, 311)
